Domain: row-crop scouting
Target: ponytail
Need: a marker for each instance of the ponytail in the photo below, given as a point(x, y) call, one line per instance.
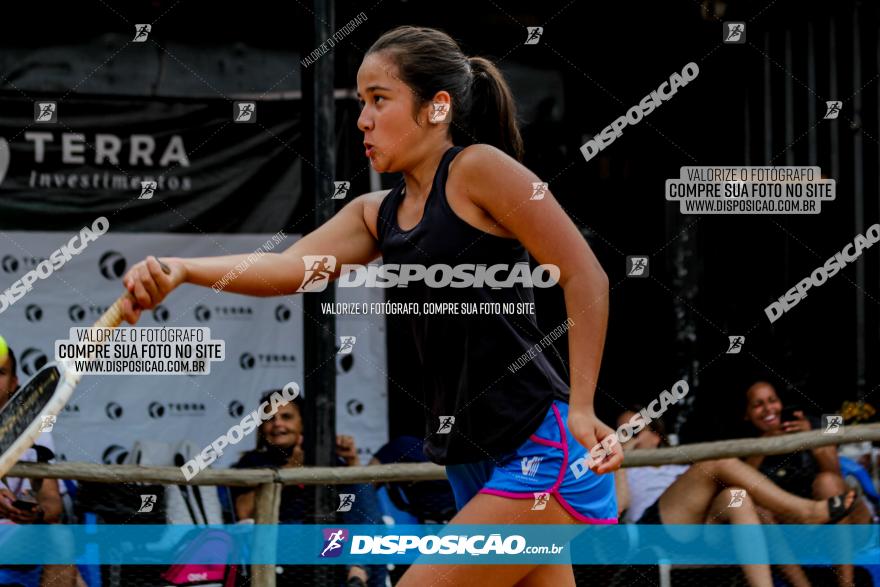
point(483, 108)
point(492, 116)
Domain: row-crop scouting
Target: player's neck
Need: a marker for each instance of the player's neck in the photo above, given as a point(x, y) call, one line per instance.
point(421, 176)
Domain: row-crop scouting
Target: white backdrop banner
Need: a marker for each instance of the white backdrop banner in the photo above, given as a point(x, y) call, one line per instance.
point(263, 338)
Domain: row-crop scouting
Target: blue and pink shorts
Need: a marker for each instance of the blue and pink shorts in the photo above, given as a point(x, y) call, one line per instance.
point(550, 462)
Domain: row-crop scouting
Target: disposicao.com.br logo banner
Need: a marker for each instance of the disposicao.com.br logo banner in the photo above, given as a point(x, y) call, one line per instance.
point(295, 544)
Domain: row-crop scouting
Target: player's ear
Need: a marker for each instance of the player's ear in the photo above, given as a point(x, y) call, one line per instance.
point(439, 108)
point(442, 97)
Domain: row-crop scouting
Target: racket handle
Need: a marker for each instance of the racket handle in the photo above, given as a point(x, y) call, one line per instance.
point(113, 316)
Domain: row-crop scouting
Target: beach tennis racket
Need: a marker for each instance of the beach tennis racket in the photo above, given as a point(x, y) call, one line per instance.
point(44, 396)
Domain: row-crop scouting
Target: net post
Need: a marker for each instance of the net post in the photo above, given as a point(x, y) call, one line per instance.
point(267, 505)
point(319, 329)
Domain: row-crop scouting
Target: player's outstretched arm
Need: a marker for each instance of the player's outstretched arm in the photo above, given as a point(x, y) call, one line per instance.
point(348, 237)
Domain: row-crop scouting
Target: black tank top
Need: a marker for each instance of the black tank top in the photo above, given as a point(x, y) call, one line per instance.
point(464, 359)
point(793, 472)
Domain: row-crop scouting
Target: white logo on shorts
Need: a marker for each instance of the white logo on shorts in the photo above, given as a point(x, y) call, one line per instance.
point(530, 466)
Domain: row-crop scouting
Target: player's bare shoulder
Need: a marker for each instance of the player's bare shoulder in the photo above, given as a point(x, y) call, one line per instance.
point(479, 164)
point(478, 175)
point(371, 202)
point(481, 156)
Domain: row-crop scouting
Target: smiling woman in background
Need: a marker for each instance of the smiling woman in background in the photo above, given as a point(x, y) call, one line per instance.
point(813, 473)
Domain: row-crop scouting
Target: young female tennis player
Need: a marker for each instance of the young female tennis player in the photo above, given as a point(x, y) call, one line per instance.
point(516, 447)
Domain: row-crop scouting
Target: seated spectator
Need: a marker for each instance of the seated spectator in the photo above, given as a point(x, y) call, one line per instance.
point(702, 494)
point(279, 445)
point(32, 501)
point(43, 493)
point(813, 473)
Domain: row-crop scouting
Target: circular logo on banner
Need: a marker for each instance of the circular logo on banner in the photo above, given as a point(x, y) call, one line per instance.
point(114, 455)
point(160, 314)
point(33, 313)
point(203, 313)
point(76, 313)
point(32, 360)
point(346, 362)
point(9, 264)
point(113, 411)
point(247, 361)
point(156, 410)
point(112, 265)
point(236, 408)
point(354, 407)
point(282, 313)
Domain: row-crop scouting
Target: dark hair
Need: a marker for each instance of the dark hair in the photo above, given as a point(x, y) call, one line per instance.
point(744, 398)
point(483, 109)
point(297, 402)
point(14, 363)
point(657, 426)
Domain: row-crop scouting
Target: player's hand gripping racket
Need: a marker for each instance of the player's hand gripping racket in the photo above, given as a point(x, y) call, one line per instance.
point(21, 419)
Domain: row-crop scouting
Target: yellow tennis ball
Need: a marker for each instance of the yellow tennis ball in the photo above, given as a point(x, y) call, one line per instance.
point(4, 350)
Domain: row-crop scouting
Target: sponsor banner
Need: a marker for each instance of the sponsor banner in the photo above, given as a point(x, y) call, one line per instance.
point(469, 544)
point(147, 163)
point(262, 342)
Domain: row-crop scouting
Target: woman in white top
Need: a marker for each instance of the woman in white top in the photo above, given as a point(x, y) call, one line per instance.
point(706, 493)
